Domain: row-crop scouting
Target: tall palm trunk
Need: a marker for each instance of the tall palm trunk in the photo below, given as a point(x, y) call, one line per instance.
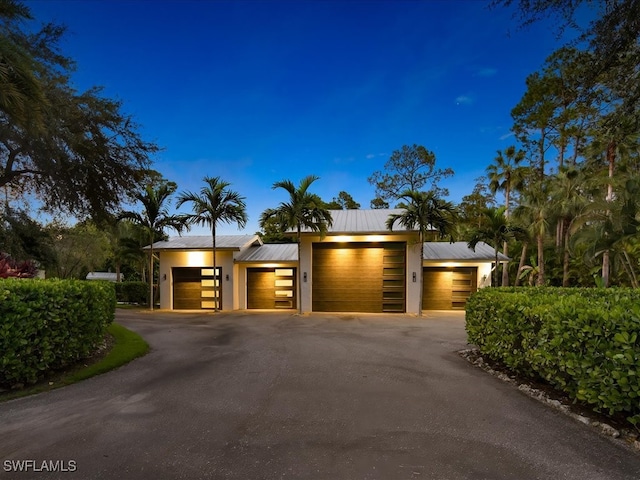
point(505, 266)
point(298, 273)
point(611, 159)
point(151, 276)
point(217, 282)
point(523, 257)
point(565, 262)
point(540, 239)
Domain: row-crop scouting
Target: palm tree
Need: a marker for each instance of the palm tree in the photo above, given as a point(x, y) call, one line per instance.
point(155, 218)
point(428, 213)
point(506, 174)
point(496, 230)
point(214, 204)
point(304, 210)
point(567, 196)
point(536, 208)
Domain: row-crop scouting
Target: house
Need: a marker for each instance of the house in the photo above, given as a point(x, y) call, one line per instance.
point(105, 276)
point(358, 266)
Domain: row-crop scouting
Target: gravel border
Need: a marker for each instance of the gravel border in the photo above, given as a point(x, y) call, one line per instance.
point(629, 437)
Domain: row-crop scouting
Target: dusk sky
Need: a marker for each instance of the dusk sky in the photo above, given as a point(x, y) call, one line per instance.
point(260, 91)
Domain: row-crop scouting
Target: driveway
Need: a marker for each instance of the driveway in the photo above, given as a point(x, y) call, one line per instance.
point(278, 396)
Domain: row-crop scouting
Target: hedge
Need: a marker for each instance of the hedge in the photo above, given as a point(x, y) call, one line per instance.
point(48, 324)
point(132, 292)
point(585, 342)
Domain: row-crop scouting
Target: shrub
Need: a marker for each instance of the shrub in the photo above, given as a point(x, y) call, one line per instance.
point(132, 292)
point(48, 324)
point(585, 342)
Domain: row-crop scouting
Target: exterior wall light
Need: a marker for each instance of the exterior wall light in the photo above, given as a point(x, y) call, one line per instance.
point(414, 277)
point(304, 277)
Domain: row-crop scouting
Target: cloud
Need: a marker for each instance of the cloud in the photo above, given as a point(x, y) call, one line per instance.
point(486, 72)
point(464, 100)
point(369, 156)
point(506, 135)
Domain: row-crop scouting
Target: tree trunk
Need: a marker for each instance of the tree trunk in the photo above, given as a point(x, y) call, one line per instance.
point(505, 266)
point(496, 269)
point(523, 257)
point(630, 270)
point(151, 276)
point(217, 282)
point(540, 281)
point(567, 257)
point(611, 159)
point(421, 275)
point(299, 292)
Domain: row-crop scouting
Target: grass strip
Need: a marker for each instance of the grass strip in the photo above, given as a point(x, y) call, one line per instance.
point(127, 346)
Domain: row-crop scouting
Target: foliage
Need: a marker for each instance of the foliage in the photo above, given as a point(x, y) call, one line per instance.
point(410, 168)
point(9, 268)
point(75, 151)
point(79, 250)
point(127, 346)
point(132, 292)
point(25, 239)
point(495, 229)
point(585, 342)
point(46, 325)
point(343, 201)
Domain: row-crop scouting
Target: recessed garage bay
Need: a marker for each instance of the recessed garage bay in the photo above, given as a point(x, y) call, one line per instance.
point(269, 288)
point(448, 288)
point(359, 277)
point(195, 288)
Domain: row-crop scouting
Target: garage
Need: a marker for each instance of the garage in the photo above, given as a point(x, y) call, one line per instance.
point(359, 277)
point(271, 288)
point(195, 288)
point(448, 288)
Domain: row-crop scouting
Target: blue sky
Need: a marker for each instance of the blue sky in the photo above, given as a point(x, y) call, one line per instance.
point(260, 91)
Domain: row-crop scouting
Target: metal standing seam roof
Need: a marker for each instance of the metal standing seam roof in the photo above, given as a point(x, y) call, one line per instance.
point(203, 242)
point(363, 221)
point(458, 251)
point(270, 252)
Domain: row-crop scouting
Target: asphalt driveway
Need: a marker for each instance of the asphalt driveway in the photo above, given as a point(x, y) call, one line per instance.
point(276, 396)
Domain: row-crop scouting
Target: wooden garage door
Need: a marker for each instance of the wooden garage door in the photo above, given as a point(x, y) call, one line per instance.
point(270, 288)
point(359, 277)
point(195, 288)
point(447, 288)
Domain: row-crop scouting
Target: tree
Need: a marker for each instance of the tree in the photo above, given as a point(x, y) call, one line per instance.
point(379, 204)
point(472, 206)
point(504, 175)
point(79, 250)
point(536, 209)
point(343, 201)
point(76, 152)
point(24, 239)
point(214, 204)
point(155, 219)
point(304, 210)
point(495, 229)
point(410, 168)
point(427, 213)
point(613, 37)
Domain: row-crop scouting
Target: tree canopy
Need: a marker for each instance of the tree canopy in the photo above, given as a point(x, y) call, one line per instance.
point(410, 168)
point(77, 152)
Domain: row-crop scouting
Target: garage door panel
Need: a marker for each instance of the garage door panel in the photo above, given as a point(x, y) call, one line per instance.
point(448, 288)
point(269, 288)
point(194, 288)
point(359, 277)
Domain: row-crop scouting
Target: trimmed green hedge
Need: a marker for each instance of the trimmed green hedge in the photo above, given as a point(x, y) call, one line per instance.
point(48, 324)
point(132, 292)
point(585, 342)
